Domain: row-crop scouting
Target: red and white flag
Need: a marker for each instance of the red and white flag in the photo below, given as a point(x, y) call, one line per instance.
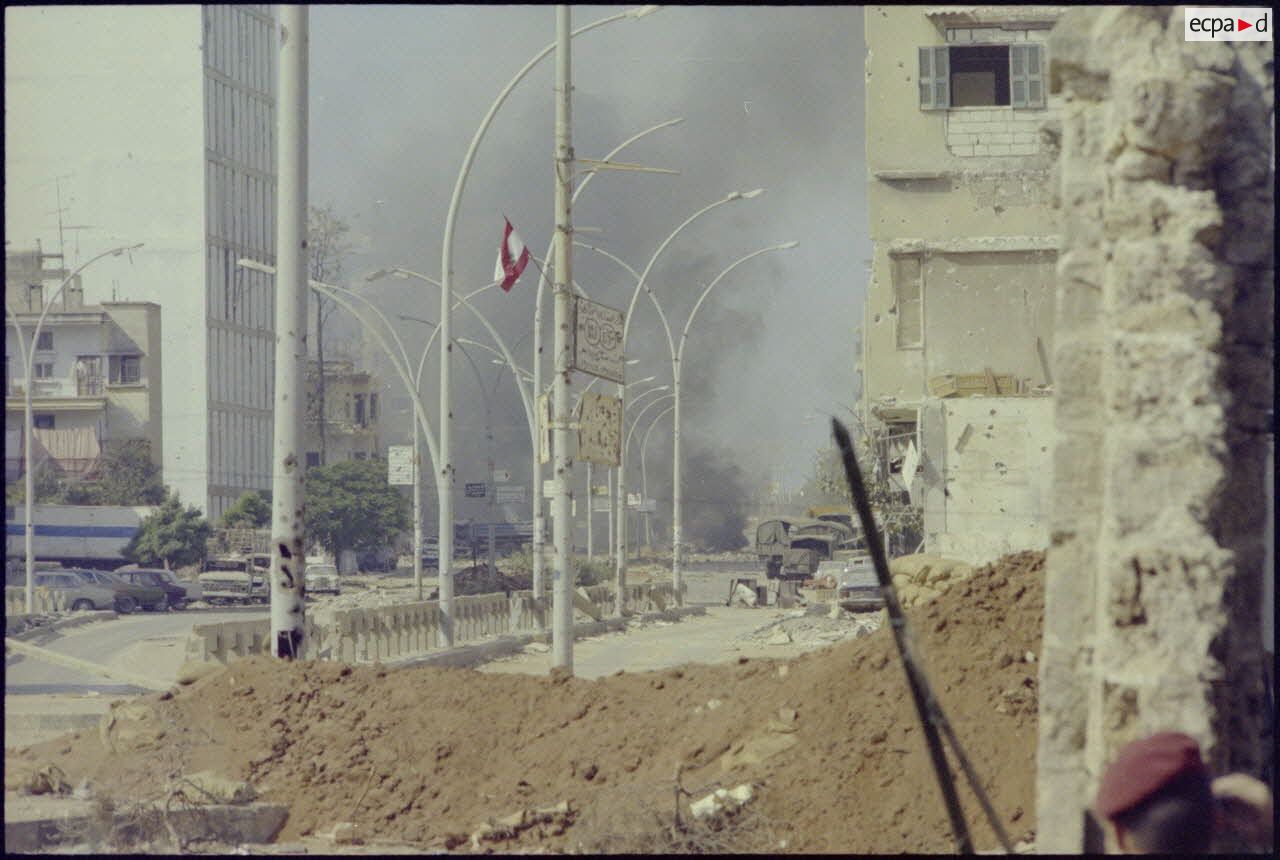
point(513, 256)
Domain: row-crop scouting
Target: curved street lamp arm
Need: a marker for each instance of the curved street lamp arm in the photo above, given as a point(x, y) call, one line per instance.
point(44, 311)
point(644, 276)
point(644, 443)
point(684, 335)
point(404, 354)
point(632, 429)
point(648, 291)
point(446, 259)
point(432, 339)
point(493, 332)
point(403, 371)
point(542, 281)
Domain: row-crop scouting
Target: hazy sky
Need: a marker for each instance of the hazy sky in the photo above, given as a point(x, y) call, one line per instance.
point(770, 97)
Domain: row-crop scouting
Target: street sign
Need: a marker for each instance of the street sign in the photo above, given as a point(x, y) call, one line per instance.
point(550, 489)
point(597, 339)
point(501, 476)
point(633, 500)
point(600, 490)
point(600, 506)
point(648, 506)
point(475, 491)
point(510, 495)
point(544, 429)
point(600, 429)
point(400, 465)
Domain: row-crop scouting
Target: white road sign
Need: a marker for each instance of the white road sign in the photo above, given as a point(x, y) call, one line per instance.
point(400, 465)
point(501, 476)
point(510, 495)
point(597, 341)
point(600, 429)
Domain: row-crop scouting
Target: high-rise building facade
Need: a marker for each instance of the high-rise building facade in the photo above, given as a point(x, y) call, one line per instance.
point(156, 124)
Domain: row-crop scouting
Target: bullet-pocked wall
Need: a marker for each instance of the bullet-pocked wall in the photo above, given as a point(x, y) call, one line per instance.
point(1162, 364)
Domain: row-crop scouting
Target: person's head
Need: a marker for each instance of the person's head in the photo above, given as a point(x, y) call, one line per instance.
point(1157, 796)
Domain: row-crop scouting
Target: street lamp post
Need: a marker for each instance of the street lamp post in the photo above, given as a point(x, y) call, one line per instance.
point(417, 475)
point(537, 364)
point(644, 474)
point(29, 358)
point(621, 527)
point(636, 423)
point(677, 496)
point(445, 476)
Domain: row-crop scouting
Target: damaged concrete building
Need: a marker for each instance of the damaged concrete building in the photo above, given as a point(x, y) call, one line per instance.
point(959, 316)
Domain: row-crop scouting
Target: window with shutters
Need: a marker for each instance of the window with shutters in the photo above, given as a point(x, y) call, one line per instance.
point(953, 76)
point(908, 300)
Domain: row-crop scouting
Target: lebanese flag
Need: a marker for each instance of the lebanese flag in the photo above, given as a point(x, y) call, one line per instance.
point(513, 256)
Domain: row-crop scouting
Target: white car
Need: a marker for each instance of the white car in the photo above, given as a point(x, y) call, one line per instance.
point(322, 577)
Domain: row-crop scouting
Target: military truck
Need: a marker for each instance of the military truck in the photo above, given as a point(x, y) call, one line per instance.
point(792, 547)
point(237, 566)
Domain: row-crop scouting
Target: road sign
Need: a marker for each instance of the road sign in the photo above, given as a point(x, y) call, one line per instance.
point(510, 495)
point(501, 476)
point(400, 465)
point(550, 489)
point(600, 490)
point(597, 339)
point(476, 491)
point(600, 429)
point(648, 506)
point(633, 500)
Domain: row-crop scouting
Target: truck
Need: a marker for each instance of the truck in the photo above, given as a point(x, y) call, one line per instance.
point(237, 566)
point(89, 536)
point(792, 547)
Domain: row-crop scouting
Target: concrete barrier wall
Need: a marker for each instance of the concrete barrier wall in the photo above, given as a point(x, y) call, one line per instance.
point(46, 600)
point(393, 632)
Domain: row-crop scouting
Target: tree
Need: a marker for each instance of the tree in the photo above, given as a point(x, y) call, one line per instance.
point(47, 484)
point(171, 536)
point(350, 505)
point(327, 245)
point(128, 476)
point(250, 511)
point(903, 523)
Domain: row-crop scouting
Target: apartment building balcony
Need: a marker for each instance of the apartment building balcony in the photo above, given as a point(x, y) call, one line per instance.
point(59, 395)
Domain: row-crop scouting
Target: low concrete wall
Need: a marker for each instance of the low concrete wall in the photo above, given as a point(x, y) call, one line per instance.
point(390, 633)
point(46, 600)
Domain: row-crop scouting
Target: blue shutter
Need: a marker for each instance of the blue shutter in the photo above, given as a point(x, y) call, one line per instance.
point(935, 89)
point(1026, 76)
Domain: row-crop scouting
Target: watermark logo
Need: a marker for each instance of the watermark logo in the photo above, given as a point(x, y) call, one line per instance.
point(1227, 24)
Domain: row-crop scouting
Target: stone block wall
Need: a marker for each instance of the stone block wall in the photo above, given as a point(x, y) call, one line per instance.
point(1162, 360)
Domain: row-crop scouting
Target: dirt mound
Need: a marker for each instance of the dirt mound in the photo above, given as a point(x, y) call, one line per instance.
point(829, 741)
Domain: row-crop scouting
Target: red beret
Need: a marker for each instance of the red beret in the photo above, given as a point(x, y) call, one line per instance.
point(1144, 767)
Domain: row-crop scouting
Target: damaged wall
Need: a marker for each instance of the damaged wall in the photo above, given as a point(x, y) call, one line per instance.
point(984, 480)
point(1163, 384)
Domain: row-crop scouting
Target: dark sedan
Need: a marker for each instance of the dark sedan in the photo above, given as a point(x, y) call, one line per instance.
point(175, 594)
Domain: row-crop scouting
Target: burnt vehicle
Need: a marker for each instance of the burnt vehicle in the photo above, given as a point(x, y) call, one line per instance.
point(793, 547)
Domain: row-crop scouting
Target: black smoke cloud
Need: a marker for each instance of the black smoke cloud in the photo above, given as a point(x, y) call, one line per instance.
point(771, 97)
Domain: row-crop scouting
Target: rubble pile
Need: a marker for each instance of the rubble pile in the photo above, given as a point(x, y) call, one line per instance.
point(446, 758)
point(804, 627)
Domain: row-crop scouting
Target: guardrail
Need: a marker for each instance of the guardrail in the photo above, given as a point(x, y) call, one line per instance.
point(388, 633)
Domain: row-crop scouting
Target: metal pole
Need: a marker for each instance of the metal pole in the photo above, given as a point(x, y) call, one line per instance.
point(287, 489)
point(417, 515)
point(591, 543)
point(611, 515)
point(562, 576)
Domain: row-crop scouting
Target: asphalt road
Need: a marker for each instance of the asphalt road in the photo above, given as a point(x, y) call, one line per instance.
point(150, 644)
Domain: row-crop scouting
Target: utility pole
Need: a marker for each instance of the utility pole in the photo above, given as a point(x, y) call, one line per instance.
point(287, 558)
point(562, 602)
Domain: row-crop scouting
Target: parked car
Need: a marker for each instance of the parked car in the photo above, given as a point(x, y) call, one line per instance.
point(322, 577)
point(128, 595)
point(192, 589)
point(175, 592)
point(81, 596)
point(859, 587)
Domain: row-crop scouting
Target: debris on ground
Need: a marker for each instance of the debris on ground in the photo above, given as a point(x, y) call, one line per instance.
point(829, 741)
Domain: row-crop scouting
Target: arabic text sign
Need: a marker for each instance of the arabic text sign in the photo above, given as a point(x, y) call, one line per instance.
point(475, 491)
point(400, 465)
point(597, 341)
point(600, 429)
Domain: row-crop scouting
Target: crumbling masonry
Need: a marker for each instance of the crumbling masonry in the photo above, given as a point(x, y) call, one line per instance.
point(1163, 351)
